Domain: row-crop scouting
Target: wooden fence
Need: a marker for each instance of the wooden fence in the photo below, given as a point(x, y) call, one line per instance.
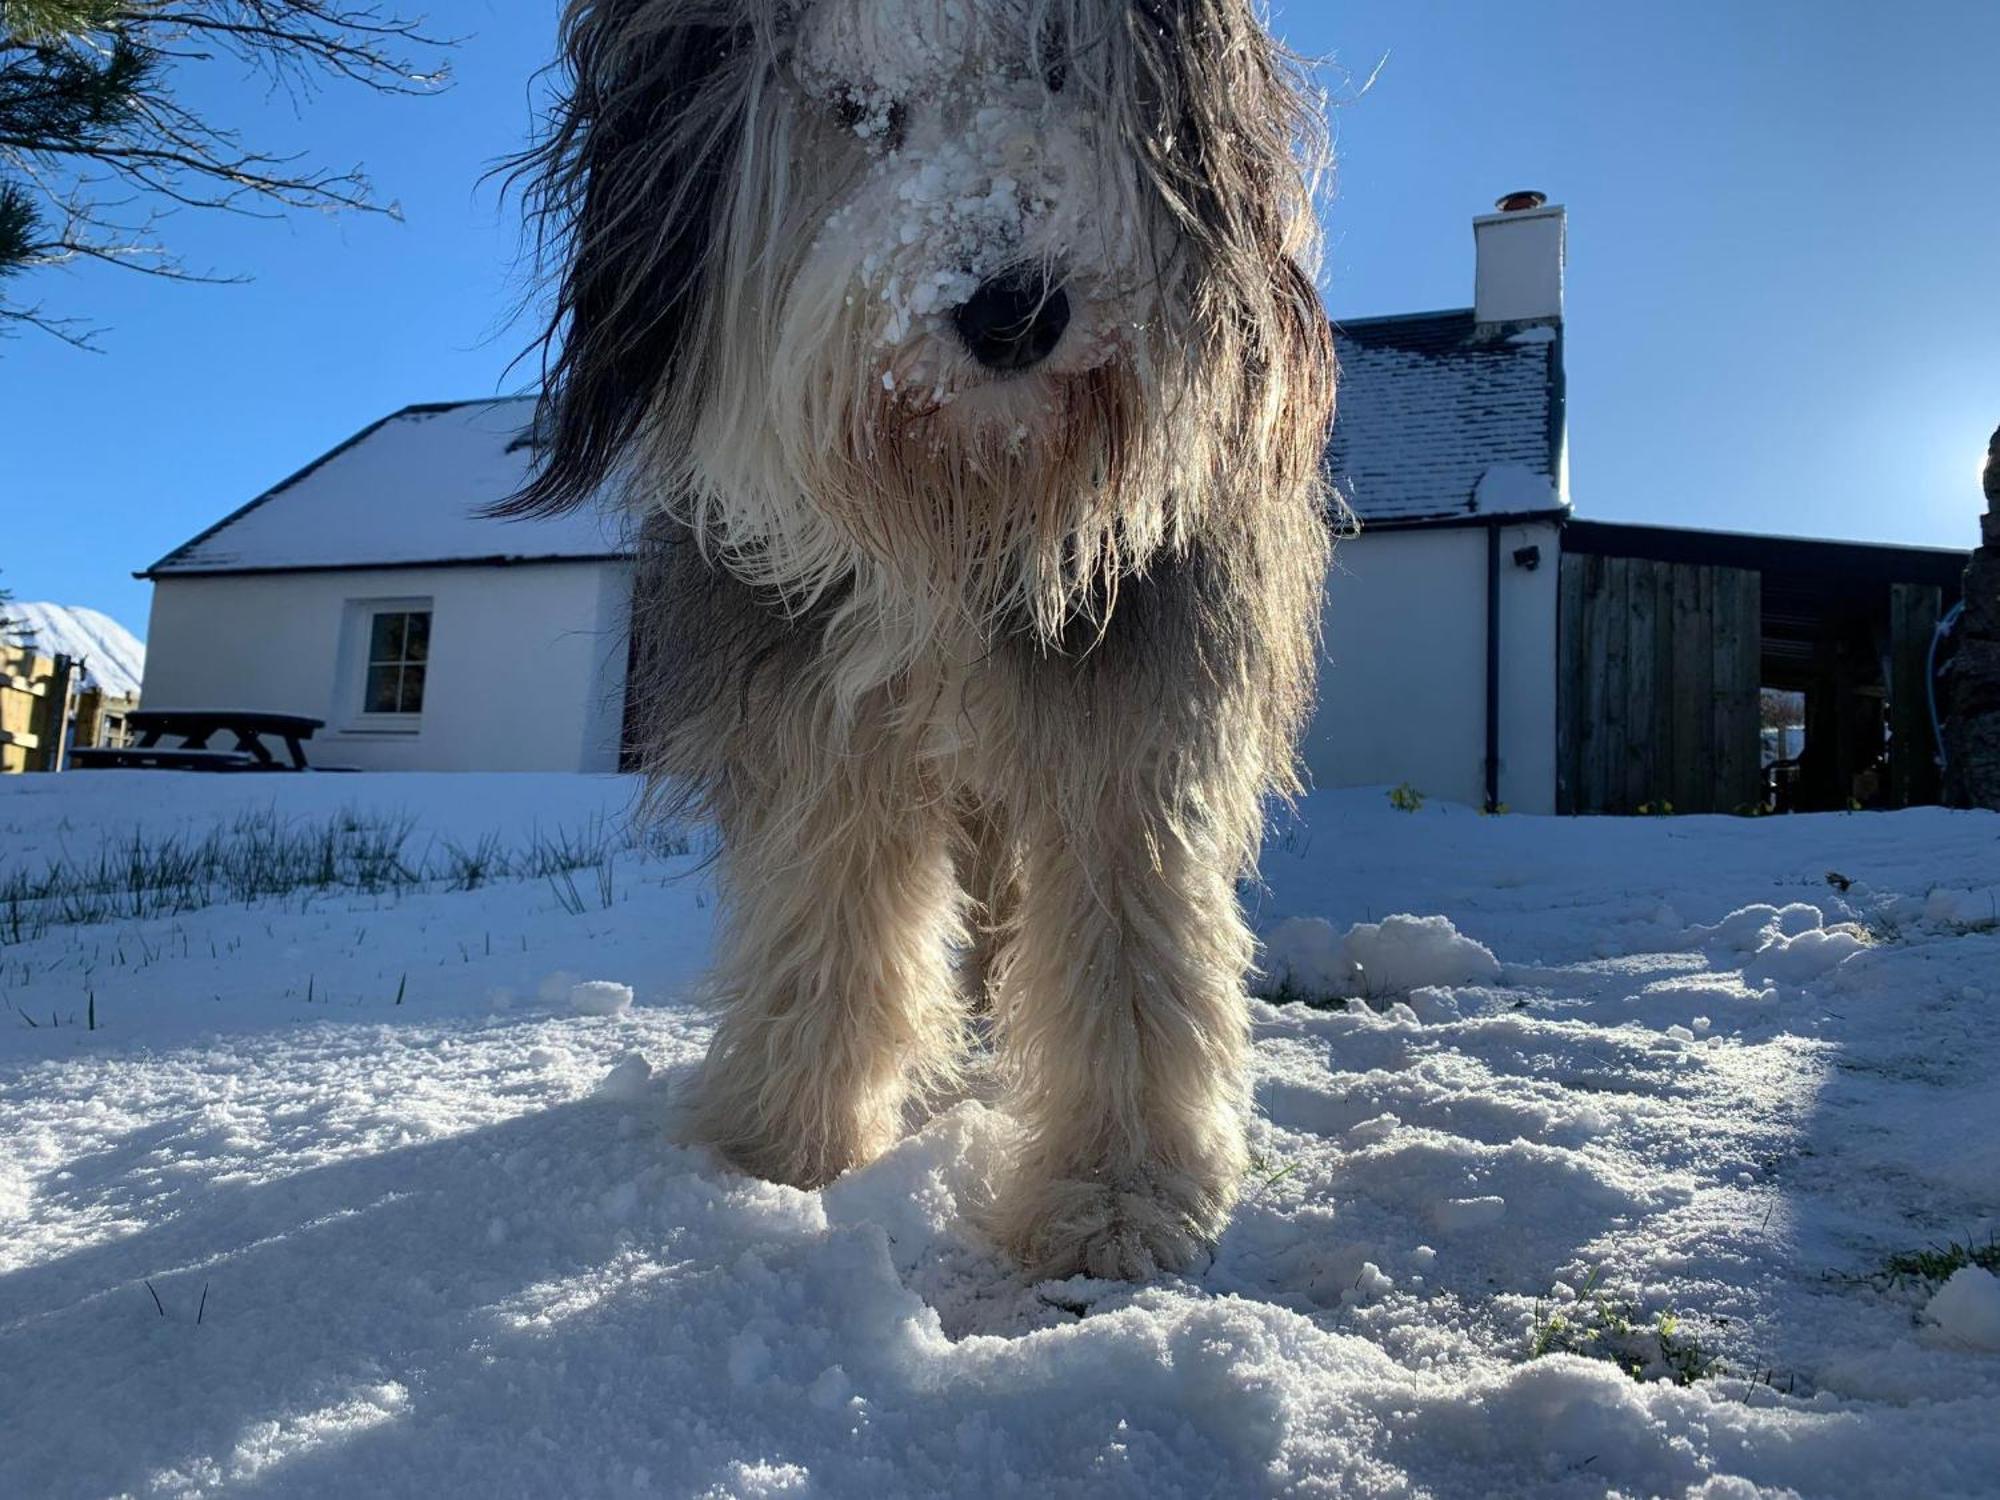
point(1660, 671)
point(44, 708)
point(35, 693)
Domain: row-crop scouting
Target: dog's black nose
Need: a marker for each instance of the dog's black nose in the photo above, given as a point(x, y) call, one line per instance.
point(1015, 320)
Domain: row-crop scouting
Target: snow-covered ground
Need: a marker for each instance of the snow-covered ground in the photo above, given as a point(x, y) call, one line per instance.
point(1636, 1172)
point(113, 658)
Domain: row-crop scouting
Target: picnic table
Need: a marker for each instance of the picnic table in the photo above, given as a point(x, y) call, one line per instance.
point(253, 732)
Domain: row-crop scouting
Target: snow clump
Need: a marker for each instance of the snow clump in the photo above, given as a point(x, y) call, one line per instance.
point(1749, 929)
point(600, 997)
point(1404, 953)
point(1800, 959)
point(1784, 944)
point(1400, 955)
point(627, 1079)
point(1957, 908)
point(1966, 1309)
point(1303, 955)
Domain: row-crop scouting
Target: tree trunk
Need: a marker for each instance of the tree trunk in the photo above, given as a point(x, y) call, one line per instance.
point(1972, 734)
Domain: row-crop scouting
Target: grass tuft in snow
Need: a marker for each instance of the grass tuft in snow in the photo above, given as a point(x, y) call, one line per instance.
point(1288, 991)
point(1941, 1262)
point(472, 867)
point(1884, 930)
point(262, 856)
point(1266, 1174)
point(1597, 1325)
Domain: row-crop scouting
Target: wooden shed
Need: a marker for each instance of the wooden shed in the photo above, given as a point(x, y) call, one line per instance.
point(1669, 637)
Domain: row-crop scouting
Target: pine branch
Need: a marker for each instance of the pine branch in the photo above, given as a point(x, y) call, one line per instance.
point(96, 149)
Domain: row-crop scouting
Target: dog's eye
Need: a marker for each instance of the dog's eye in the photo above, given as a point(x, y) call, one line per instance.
point(871, 117)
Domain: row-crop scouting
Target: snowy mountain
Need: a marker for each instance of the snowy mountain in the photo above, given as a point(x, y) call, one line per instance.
point(113, 658)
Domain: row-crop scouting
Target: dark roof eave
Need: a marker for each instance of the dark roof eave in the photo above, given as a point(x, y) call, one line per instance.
point(159, 573)
point(1555, 514)
point(1871, 561)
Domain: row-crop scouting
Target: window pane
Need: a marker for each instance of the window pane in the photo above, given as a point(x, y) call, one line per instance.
point(385, 638)
point(417, 636)
point(413, 690)
point(382, 690)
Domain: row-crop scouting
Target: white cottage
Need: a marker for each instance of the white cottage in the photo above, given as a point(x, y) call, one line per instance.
point(1450, 446)
point(371, 591)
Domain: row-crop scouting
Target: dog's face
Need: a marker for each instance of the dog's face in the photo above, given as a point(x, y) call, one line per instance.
point(978, 248)
point(960, 297)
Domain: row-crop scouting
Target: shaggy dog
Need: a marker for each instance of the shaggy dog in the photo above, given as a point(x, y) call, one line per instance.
point(964, 359)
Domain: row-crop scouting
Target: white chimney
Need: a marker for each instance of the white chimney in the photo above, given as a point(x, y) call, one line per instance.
point(1520, 252)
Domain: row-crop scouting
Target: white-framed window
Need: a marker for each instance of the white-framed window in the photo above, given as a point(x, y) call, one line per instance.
point(399, 649)
point(388, 652)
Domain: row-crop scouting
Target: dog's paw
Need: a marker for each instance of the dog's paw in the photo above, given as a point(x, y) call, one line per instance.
point(806, 1150)
point(1114, 1232)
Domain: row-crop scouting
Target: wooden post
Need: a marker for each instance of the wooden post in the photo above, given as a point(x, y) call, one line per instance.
point(1611, 753)
point(1738, 688)
point(1572, 685)
point(89, 717)
point(52, 715)
point(1666, 734)
point(1694, 689)
point(1972, 730)
point(1913, 619)
point(1644, 786)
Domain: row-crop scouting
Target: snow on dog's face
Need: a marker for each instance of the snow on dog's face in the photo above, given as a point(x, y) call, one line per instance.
point(964, 307)
point(984, 239)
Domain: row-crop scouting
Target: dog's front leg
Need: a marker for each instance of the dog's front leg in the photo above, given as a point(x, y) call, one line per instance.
point(1124, 1030)
point(833, 972)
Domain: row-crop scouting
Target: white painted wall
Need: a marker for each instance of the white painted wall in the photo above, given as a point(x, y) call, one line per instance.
point(1403, 685)
point(527, 663)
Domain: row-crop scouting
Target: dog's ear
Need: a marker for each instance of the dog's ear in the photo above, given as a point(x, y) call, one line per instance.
point(624, 193)
point(1228, 129)
point(1224, 125)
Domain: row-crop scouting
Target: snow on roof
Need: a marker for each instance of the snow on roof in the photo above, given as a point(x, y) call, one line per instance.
point(407, 490)
point(1439, 418)
point(113, 658)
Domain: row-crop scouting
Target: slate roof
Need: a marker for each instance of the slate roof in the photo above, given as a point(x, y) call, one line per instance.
point(404, 492)
point(1439, 420)
point(1431, 404)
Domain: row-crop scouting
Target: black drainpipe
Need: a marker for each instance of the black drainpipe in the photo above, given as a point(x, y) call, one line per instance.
point(1493, 667)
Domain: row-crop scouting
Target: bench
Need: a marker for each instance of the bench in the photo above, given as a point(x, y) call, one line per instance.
point(252, 729)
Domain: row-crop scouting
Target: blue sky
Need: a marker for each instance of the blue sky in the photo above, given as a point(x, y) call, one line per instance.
point(1783, 307)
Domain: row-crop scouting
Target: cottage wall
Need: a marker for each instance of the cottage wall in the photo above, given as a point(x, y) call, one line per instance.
point(1403, 682)
point(526, 669)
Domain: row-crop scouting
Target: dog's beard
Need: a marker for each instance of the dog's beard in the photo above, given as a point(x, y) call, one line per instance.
point(944, 502)
point(1006, 522)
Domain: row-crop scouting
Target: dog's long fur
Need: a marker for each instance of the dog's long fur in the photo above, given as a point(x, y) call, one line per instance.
point(957, 661)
